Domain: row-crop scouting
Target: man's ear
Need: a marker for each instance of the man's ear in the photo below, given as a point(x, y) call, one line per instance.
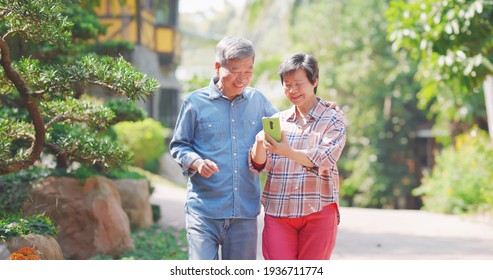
point(216, 67)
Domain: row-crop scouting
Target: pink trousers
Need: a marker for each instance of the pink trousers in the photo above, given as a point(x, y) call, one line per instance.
point(310, 237)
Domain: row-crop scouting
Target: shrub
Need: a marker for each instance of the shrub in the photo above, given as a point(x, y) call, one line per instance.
point(125, 111)
point(145, 139)
point(16, 226)
point(156, 212)
point(460, 181)
point(15, 189)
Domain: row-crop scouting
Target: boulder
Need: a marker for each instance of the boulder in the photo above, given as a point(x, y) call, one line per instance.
point(46, 245)
point(88, 213)
point(135, 196)
point(4, 252)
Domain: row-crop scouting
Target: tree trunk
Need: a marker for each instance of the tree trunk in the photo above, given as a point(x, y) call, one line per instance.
point(488, 99)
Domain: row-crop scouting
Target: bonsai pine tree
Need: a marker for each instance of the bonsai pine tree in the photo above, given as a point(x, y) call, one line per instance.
point(45, 71)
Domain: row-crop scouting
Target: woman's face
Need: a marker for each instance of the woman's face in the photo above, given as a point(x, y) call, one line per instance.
point(234, 76)
point(298, 89)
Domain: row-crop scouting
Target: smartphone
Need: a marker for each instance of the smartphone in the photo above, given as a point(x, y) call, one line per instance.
point(272, 126)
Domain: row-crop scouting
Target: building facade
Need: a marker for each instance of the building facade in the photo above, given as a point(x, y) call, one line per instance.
point(152, 26)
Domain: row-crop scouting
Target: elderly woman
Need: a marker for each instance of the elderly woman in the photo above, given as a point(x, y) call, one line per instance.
point(302, 188)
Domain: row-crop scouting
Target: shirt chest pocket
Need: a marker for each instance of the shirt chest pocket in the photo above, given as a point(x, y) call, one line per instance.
point(212, 135)
point(250, 128)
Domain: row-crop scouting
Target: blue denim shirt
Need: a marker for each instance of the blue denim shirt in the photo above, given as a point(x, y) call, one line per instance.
point(210, 126)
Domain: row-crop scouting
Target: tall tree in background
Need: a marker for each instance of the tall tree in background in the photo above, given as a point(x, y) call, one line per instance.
point(42, 82)
point(378, 93)
point(452, 41)
point(375, 88)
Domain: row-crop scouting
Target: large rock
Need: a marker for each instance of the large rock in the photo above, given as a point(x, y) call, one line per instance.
point(89, 215)
point(47, 246)
point(4, 252)
point(135, 195)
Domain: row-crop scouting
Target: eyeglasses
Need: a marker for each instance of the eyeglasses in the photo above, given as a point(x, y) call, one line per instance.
point(237, 73)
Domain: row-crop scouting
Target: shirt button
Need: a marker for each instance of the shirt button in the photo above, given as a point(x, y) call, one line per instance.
point(233, 120)
point(234, 154)
point(236, 171)
point(234, 137)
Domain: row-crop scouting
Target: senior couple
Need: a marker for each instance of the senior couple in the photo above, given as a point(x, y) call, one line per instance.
point(219, 143)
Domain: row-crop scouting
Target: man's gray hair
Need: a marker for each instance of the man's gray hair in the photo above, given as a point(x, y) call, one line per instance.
point(233, 48)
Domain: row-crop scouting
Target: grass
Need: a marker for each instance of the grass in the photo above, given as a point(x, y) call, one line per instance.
point(154, 243)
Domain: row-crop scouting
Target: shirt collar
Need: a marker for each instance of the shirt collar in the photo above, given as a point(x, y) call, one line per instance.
point(314, 112)
point(214, 92)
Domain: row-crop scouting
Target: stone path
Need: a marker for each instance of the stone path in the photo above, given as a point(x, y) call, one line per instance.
point(376, 234)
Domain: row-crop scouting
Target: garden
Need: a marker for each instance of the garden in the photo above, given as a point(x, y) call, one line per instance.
point(73, 165)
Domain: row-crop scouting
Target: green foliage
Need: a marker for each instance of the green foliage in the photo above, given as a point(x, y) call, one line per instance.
point(145, 139)
point(461, 180)
point(156, 212)
point(375, 89)
point(195, 83)
point(12, 132)
point(83, 146)
point(155, 243)
point(267, 66)
point(94, 116)
point(84, 28)
point(115, 74)
point(84, 172)
point(15, 189)
point(86, 22)
point(50, 69)
point(125, 111)
point(42, 18)
point(114, 48)
point(15, 226)
point(254, 7)
point(452, 42)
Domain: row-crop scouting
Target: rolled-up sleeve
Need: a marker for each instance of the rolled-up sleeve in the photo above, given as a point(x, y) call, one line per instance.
point(181, 145)
point(267, 165)
point(326, 154)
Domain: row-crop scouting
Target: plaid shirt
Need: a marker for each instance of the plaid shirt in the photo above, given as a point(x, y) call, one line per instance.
point(293, 190)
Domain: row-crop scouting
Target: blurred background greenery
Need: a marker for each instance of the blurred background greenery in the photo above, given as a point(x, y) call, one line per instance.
point(408, 74)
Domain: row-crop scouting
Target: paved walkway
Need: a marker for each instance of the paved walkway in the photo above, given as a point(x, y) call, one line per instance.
point(376, 234)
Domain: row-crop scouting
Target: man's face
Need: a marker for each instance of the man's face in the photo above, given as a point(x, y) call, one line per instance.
point(234, 76)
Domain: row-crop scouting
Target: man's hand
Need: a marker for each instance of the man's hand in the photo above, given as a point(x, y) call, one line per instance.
point(206, 167)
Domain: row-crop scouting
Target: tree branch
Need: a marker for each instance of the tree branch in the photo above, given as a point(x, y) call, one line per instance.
point(61, 118)
point(31, 106)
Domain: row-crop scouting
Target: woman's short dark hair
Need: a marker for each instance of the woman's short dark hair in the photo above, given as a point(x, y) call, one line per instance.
point(297, 61)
